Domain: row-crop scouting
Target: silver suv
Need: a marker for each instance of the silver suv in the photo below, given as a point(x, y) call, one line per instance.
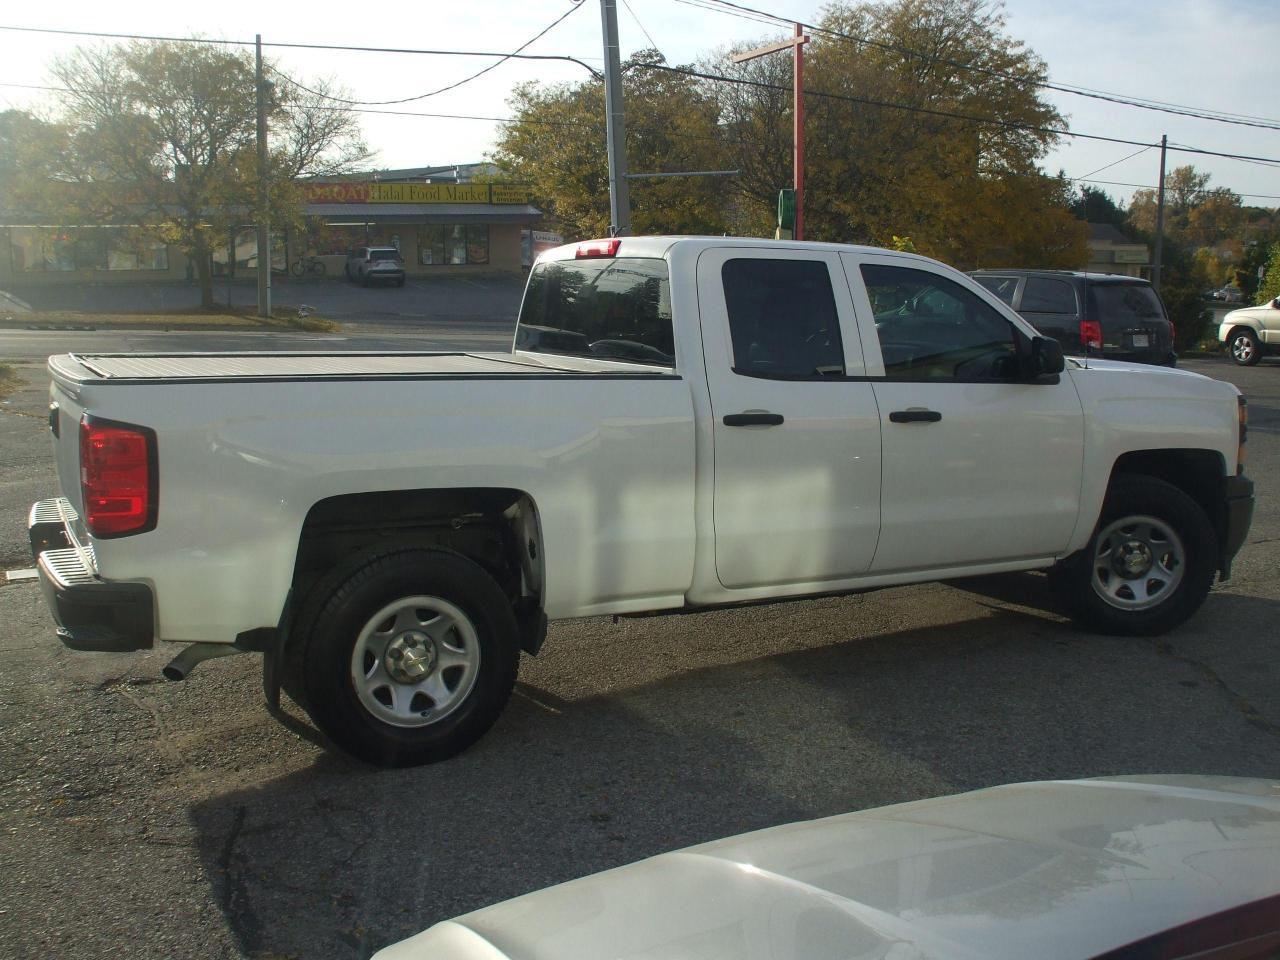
point(366, 265)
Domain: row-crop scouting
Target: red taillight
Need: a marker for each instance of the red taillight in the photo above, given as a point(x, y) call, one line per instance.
point(1091, 334)
point(117, 477)
point(598, 248)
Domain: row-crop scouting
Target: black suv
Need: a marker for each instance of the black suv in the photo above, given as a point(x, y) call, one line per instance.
point(1090, 314)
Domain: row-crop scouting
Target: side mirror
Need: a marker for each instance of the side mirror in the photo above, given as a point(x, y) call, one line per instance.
point(1276, 303)
point(1046, 361)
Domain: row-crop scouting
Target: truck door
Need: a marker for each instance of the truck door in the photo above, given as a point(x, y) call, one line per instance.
point(796, 434)
point(978, 466)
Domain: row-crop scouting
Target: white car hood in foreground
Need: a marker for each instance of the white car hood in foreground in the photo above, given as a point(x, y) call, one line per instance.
point(1059, 869)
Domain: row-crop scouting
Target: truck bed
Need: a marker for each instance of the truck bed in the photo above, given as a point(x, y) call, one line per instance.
point(198, 367)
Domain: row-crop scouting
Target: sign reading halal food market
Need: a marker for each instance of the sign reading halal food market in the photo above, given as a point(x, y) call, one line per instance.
point(372, 192)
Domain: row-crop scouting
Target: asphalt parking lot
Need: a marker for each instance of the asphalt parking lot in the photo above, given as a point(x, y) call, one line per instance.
point(180, 820)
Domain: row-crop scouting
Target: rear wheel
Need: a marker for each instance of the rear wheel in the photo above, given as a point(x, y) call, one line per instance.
point(1148, 566)
point(1244, 347)
point(407, 657)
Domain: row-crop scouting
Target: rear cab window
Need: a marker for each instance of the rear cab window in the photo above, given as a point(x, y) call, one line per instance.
point(384, 253)
point(602, 308)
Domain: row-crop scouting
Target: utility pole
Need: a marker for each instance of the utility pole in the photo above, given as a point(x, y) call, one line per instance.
point(264, 226)
point(619, 197)
point(1156, 260)
point(796, 45)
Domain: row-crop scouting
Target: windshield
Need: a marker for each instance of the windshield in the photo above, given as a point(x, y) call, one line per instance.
point(608, 309)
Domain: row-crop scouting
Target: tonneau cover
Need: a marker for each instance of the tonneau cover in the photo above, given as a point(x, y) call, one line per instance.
point(219, 366)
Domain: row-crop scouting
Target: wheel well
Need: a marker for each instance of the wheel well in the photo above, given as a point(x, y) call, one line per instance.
point(1200, 474)
point(1244, 326)
point(496, 528)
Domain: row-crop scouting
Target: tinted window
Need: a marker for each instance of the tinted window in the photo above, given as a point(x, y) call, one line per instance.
point(1124, 304)
point(1043, 295)
point(782, 318)
point(384, 253)
point(931, 328)
point(608, 309)
point(1002, 287)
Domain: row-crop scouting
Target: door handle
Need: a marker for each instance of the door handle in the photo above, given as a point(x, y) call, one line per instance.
point(915, 415)
point(761, 419)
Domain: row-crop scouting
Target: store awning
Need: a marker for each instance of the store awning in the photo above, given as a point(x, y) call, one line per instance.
point(426, 212)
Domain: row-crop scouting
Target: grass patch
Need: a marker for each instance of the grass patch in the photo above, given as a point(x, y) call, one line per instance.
point(241, 318)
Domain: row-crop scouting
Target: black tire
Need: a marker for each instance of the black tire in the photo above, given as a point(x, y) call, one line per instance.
point(1244, 347)
point(298, 268)
point(342, 604)
point(1142, 496)
point(318, 268)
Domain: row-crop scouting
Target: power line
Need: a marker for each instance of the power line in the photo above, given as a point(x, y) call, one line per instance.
point(1149, 186)
point(1050, 131)
point(452, 86)
point(307, 46)
point(1116, 162)
point(931, 111)
point(751, 13)
point(653, 44)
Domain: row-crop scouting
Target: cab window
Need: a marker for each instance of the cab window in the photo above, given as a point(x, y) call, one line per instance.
point(931, 328)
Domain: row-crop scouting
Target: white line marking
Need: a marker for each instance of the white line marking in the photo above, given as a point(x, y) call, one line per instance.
point(13, 576)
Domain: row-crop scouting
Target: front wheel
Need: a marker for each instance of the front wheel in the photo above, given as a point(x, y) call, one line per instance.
point(1244, 347)
point(298, 268)
point(1148, 566)
point(407, 657)
point(318, 268)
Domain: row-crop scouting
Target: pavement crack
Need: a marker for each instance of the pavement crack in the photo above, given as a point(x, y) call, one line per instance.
point(234, 897)
point(1237, 700)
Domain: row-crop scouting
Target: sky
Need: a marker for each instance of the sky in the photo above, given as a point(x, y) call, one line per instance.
point(1217, 54)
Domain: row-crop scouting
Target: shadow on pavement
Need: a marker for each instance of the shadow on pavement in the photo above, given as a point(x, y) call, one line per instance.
point(339, 859)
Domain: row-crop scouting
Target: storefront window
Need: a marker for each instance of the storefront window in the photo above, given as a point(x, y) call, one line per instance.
point(53, 249)
point(453, 244)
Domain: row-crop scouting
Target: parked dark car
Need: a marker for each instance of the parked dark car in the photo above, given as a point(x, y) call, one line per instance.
point(1089, 314)
point(368, 265)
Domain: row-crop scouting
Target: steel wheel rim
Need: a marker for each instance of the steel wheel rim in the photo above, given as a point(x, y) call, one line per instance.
point(1242, 348)
point(415, 661)
point(1138, 563)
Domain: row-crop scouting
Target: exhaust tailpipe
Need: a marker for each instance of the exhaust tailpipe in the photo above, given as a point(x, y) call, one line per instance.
point(180, 667)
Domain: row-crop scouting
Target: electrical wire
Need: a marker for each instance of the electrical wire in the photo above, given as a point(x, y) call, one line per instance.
point(281, 45)
point(452, 86)
point(931, 111)
point(750, 13)
point(653, 44)
point(1116, 162)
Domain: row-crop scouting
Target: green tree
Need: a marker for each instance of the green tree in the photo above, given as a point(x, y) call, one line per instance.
point(1269, 289)
point(162, 136)
point(1096, 206)
point(556, 146)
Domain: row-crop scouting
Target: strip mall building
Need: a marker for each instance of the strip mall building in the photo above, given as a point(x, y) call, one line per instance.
point(440, 222)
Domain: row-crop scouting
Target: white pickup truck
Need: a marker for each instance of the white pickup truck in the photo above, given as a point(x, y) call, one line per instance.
point(682, 423)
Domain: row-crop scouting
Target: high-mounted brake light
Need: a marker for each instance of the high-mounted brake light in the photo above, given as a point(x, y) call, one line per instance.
point(1091, 334)
point(117, 477)
point(598, 248)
